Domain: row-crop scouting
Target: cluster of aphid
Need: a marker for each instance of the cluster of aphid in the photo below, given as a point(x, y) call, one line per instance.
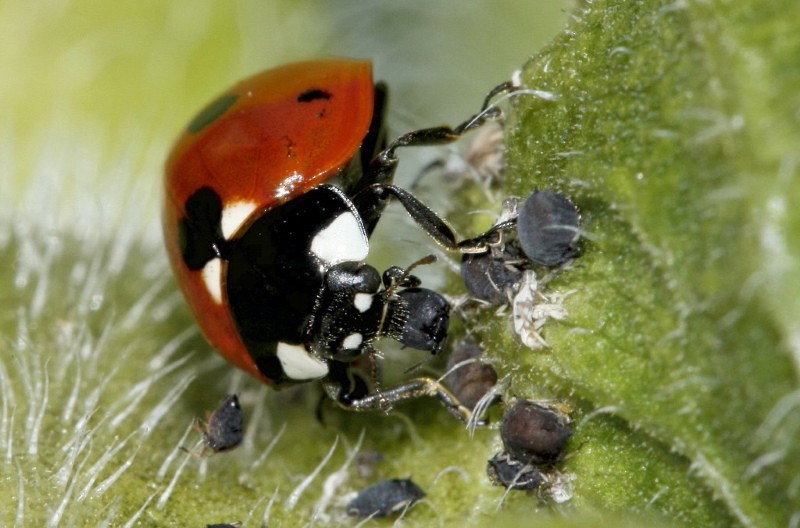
point(545, 236)
point(534, 435)
point(272, 193)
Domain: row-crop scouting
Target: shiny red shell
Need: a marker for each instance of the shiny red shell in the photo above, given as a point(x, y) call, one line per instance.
point(266, 140)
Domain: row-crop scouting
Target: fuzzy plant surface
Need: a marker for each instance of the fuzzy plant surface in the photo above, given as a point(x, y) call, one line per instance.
point(672, 125)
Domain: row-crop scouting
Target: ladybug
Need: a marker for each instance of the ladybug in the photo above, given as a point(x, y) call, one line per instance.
point(272, 192)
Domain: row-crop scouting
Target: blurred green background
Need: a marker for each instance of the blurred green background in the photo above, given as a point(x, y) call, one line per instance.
point(123, 77)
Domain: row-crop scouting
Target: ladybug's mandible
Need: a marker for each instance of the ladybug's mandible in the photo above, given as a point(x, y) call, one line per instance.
point(272, 193)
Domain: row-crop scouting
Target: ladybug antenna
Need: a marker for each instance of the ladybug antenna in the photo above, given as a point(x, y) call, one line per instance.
point(427, 259)
point(395, 277)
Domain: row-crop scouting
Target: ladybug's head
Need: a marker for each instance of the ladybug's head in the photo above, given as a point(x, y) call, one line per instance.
point(347, 312)
point(352, 310)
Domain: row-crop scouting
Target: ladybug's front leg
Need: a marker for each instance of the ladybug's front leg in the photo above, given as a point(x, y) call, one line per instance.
point(384, 164)
point(372, 200)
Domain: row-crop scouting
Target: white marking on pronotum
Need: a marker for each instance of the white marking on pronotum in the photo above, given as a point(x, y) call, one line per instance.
point(362, 301)
point(342, 240)
point(233, 216)
point(298, 364)
point(353, 341)
point(212, 278)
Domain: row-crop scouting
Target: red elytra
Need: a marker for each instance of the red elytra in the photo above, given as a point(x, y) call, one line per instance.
point(258, 143)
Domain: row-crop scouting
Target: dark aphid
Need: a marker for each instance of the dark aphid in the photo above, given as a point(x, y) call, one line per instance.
point(512, 474)
point(225, 427)
point(385, 498)
point(471, 381)
point(490, 278)
point(235, 524)
point(547, 228)
point(534, 434)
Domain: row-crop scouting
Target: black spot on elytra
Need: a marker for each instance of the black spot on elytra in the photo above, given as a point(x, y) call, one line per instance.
point(210, 113)
point(312, 94)
point(200, 232)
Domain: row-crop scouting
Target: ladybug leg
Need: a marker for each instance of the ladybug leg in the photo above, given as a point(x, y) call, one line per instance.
point(375, 189)
point(489, 238)
point(346, 382)
point(375, 140)
point(373, 199)
point(384, 164)
point(384, 400)
point(200, 427)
